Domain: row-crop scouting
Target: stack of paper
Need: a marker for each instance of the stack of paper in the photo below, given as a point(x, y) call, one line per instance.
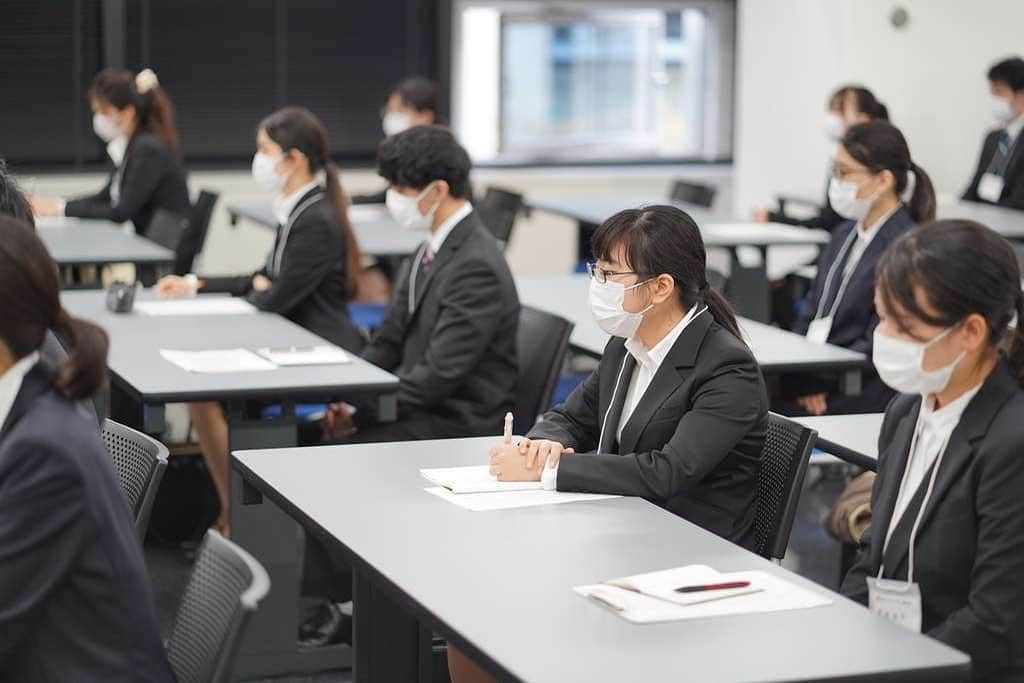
point(310, 355)
point(203, 305)
point(652, 598)
point(219, 361)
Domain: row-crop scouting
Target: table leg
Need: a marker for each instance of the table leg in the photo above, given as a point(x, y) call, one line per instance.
point(749, 289)
point(391, 646)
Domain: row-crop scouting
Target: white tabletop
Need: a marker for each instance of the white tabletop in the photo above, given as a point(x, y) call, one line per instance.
point(1007, 222)
point(776, 350)
point(853, 438)
point(90, 242)
point(503, 580)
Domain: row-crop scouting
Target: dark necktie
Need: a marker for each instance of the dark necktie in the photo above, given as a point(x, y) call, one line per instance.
point(427, 261)
point(1001, 159)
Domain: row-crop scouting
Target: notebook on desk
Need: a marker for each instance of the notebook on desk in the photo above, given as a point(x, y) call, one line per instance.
point(474, 479)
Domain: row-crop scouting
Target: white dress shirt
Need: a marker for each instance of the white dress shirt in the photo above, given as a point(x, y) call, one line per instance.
point(933, 430)
point(10, 383)
point(438, 237)
point(648, 361)
point(284, 204)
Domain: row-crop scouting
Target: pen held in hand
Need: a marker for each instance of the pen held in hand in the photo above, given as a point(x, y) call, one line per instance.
point(508, 428)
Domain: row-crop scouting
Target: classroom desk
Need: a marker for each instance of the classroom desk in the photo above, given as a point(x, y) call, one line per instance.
point(852, 438)
point(499, 584)
point(89, 242)
point(377, 233)
point(748, 281)
point(143, 382)
point(1007, 222)
point(776, 350)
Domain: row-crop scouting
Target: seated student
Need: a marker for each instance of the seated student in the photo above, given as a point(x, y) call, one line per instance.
point(413, 101)
point(999, 178)
point(450, 331)
point(948, 510)
point(882, 194)
point(75, 598)
point(133, 115)
point(848, 106)
point(312, 270)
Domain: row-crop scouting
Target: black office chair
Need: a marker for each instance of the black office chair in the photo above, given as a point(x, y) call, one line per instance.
point(167, 229)
point(199, 226)
point(140, 462)
point(693, 193)
point(787, 448)
point(225, 589)
point(499, 209)
point(542, 341)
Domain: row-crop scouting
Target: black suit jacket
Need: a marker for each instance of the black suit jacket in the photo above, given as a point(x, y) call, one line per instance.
point(153, 178)
point(309, 290)
point(75, 599)
point(853, 326)
point(692, 444)
point(969, 555)
point(1013, 180)
point(455, 352)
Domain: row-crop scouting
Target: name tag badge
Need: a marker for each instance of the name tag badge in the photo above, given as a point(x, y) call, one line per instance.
point(990, 187)
point(897, 601)
point(819, 330)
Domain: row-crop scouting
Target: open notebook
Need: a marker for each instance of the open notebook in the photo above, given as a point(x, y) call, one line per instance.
point(652, 598)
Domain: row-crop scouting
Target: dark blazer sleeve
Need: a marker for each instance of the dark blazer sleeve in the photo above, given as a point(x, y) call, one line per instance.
point(100, 198)
point(42, 532)
point(385, 349)
point(724, 408)
point(575, 423)
point(235, 285)
point(470, 315)
point(143, 170)
point(988, 147)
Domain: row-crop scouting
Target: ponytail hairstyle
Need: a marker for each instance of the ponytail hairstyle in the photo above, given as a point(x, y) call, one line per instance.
point(12, 200)
point(663, 239)
point(863, 100)
point(880, 146)
point(153, 109)
point(30, 305)
point(299, 129)
point(961, 267)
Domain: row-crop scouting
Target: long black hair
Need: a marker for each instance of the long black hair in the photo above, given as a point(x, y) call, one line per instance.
point(30, 305)
point(880, 146)
point(962, 267)
point(300, 129)
point(121, 88)
point(664, 239)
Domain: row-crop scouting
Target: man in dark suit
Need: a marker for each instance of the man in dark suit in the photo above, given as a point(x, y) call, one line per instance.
point(450, 332)
point(999, 178)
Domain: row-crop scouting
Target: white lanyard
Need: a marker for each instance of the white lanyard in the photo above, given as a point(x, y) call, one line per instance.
point(412, 275)
point(275, 258)
point(847, 245)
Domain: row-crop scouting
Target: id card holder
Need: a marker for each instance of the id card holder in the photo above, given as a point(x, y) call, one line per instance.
point(897, 601)
point(990, 187)
point(819, 330)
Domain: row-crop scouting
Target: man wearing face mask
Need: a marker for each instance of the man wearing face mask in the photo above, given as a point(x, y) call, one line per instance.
point(450, 332)
point(881, 194)
point(999, 178)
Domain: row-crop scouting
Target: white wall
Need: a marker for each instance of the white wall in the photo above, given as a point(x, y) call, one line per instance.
point(931, 75)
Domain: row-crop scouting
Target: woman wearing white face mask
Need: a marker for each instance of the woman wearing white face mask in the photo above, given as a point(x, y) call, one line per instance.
point(947, 531)
point(134, 116)
point(882, 194)
point(313, 268)
point(677, 410)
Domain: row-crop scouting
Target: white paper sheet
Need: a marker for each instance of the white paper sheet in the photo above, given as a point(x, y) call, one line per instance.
point(663, 584)
point(506, 500)
point(219, 361)
point(776, 595)
point(367, 212)
point(203, 305)
point(312, 355)
point(474, 479)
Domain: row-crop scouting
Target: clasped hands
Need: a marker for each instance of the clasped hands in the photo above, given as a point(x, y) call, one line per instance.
point(525, 461)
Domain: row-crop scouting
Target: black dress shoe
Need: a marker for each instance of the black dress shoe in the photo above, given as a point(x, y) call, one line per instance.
point(325, 624)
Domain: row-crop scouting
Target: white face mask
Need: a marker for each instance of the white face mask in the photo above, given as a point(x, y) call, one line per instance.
point(899, 364)
point(395, 122)
point(406, 210)
point(842, 195)
point(834, 126)
point(264, 174)
point(1002, 110)
point(105, 127)
point(606, 305)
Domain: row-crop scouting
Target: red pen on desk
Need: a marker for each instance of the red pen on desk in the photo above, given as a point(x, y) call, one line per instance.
point(713, 587)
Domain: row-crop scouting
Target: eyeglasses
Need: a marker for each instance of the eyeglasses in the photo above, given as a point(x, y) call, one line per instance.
point(600, 275)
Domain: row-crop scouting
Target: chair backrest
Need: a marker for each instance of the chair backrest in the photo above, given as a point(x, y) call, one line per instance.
point(499, 209)
point(199, 227)
point(542, 342)
point(167, 229)
point(693, 193)
point(225, 588)
point(140, 462)
point(787, 448)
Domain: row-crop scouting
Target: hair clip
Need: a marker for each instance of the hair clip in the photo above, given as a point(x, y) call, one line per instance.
point(145, 81)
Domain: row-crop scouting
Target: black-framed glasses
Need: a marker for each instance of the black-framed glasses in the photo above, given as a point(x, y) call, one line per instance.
point(600, 275)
